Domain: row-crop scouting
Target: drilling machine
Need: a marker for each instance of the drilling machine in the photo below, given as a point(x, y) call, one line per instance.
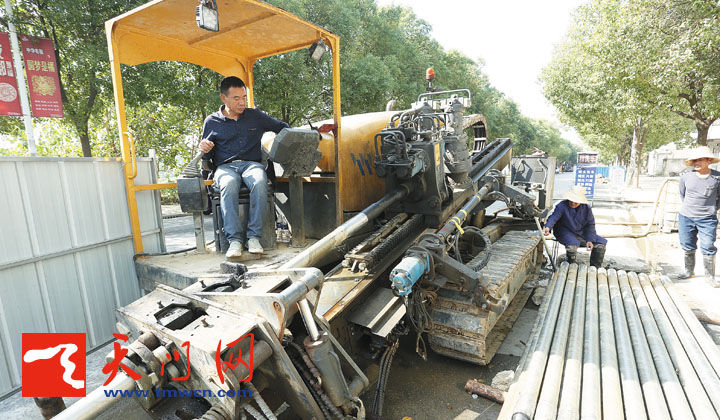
point(292, 342)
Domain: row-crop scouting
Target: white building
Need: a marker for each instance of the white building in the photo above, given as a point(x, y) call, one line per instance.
point(668, 160)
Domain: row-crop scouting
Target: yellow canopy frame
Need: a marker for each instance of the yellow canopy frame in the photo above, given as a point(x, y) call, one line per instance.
point(165, 30)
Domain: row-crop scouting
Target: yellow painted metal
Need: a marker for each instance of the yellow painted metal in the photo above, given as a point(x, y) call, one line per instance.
point(337, 112)
point(165, 30)
point(126, 149)
point(164, 186)
point(152, 187)
point(358, 186)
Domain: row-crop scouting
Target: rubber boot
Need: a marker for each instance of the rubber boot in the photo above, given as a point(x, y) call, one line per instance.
point(597, 255)
point(570, 256)
point(709, 264)
point(689, 265)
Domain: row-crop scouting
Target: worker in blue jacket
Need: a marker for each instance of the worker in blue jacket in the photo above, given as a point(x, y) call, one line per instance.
point(231, 141)
point(573, 224)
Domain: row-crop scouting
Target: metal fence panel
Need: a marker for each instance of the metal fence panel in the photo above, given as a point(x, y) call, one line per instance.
point(22, 311)
point(81, 187)
point(125, 279)
point(14, 223)
point(96, 281)
point(147, 203)
point(67, 311)
point(113, 201)
point(66, 258)
point(5, 380)
point(45, 207)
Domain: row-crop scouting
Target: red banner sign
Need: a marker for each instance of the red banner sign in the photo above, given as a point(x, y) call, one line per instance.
point(9, 96)
point(43, 81)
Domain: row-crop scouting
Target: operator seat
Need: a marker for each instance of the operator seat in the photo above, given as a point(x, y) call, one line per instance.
point(268, 239)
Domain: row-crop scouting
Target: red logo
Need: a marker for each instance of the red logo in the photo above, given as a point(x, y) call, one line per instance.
point(53, 365)
point(233, 359)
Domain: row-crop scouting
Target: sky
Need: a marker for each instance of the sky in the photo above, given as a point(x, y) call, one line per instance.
point(515, 39)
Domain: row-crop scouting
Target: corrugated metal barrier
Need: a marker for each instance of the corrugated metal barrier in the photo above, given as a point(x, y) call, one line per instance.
point(66, 251)
point(614, 345)
point(603, 170)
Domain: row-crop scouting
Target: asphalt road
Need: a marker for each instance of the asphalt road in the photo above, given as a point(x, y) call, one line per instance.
point(180, 232)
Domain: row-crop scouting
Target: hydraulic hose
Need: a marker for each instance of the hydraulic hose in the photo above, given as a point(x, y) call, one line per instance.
point(650, 222)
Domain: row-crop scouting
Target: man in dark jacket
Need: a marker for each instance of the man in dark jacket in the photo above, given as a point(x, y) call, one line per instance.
point(700, 193)
point(231, 140)
point(573, 224)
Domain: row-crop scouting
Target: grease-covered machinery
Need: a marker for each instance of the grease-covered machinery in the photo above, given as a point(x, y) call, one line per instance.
point(295, 341)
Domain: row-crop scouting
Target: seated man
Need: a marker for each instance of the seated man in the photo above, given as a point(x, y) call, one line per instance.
point(574, 225)
point(231, 140)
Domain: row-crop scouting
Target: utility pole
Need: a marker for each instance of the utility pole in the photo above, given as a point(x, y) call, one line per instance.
point(22, 88)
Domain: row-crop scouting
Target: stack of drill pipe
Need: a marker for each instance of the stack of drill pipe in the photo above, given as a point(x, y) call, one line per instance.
point(613, 345)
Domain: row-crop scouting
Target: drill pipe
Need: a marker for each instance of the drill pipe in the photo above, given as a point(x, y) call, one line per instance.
point(570, 398)
point(96, 402)
point(676, 401)
point(550, 391)
point(632, 393)
point(654, 399)
point(530, 347)
point(702, 366)
point(612, 406)
point(590, 394)
point(701, 405)
point(520, 372)
point(320, 248)
point(530, 387)
point(325, 245)
point(711, 350)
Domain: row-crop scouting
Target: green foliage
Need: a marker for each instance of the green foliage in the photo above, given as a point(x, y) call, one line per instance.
point(78, 32)
point(651, 67)
point(385, 52)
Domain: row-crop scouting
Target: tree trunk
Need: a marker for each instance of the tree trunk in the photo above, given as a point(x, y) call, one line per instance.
point(702, 130)
point(632, 177)
point(85, 143)
point(640, 147)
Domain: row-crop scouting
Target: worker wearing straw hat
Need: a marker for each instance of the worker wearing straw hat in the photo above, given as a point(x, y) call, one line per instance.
point(700, 193)
point(573, 224)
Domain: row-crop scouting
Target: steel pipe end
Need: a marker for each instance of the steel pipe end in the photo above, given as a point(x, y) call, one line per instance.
point(520, 416)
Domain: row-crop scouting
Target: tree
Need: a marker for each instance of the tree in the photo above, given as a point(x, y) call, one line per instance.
point(588, 81)
point(83, 66)
point(385, 52)
point(674, 57)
